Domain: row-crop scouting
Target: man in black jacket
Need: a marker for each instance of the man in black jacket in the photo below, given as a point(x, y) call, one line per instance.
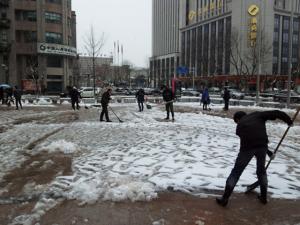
point(140, 96)
point(75, 96)
point(18, 95)
point(168, 97)
point(226, 98)
point(104, 103)
point(251, 129)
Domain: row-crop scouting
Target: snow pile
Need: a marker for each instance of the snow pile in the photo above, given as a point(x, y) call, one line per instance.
point(44, 205)
point(61, 146)
point(114, 188)
point(43, 101)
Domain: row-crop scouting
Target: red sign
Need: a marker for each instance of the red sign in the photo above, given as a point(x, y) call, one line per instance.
point(29, 85)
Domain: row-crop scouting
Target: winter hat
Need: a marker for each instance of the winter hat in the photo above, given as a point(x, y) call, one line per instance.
point(238, 115)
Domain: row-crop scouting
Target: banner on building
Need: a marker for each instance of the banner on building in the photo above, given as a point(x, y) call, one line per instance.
point(30, 85)
point(56, 49)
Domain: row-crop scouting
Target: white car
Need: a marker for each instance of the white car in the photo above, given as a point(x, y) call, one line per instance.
point(88, 92)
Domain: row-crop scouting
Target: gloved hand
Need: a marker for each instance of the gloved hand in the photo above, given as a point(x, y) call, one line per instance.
point(290, 123)
point(271, 154)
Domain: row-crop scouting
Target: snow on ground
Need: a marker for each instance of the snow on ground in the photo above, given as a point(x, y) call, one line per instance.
point(136, 159)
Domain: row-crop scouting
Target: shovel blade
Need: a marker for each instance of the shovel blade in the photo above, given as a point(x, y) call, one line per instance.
point(251, 187)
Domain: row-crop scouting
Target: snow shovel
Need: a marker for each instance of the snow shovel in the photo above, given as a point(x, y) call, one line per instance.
point(116, 115)
point(256, 184)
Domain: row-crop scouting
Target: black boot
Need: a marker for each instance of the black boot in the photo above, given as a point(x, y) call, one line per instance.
point(263, 194)
point(224, 199)
point(263, 189)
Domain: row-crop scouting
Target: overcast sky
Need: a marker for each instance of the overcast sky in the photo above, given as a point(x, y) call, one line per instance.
point(128, 21)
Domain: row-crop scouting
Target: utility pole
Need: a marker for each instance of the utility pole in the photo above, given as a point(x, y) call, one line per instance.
point(290, 59)
point(94, 75)
point(259, 52)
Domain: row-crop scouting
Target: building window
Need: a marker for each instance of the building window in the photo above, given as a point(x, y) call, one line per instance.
point(54, 61)
point(53, 38)
point(276, 36)
point(286, 23)
point(25, 15)
point(54, 77)
point(285, 38)
point(30, 36)
point(280, 4)
point(295, 39)
point(54, 1)
point(276, 22)
point(54, 87)
point(296, 25)
point(53, 17)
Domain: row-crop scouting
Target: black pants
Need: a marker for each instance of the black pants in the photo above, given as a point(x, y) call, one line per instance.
point(170, 108)
point(141, 106)
point(75, 101)
point(226, 104)
point(104, 112)
point(204, 105)
point(242, 161)
point(18, 102)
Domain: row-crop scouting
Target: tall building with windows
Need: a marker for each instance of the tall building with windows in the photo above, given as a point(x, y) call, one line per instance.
point(238, 37)
point(165, 41)
point(224, 37)
point(4, 43)
point(42, 39)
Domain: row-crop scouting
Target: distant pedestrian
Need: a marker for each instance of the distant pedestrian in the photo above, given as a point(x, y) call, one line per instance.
point(226, 98)
point(140, 96)
point(205, 99)
point(9, 96)
point(18, 96)
point(106, 97)
point(1, 94)
point(168, 97)
point(75, 97)
point(251, 129)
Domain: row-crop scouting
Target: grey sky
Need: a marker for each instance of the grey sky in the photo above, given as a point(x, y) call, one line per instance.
point(128, 21)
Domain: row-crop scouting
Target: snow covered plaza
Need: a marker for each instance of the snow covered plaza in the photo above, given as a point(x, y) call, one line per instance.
point(134, 160)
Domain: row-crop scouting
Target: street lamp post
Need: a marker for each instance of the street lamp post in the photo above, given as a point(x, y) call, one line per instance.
point(290, 59)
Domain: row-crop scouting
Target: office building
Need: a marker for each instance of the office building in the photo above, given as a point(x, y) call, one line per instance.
point(42, 40)
point(165, 41)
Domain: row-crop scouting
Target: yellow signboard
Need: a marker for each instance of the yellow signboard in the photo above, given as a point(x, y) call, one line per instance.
point(253, 10)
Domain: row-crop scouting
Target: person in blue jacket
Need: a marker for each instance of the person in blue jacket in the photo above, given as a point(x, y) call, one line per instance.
point(205, 99)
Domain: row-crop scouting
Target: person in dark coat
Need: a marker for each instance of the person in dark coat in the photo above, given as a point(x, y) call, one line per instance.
point(205, 99)
point(9, 96)
point(18, 96)
point(226, 98)
point(104, 103)
point(140, 96)
point(251, 128)
point(168, 97)
point(1, 95)
point(75, 96)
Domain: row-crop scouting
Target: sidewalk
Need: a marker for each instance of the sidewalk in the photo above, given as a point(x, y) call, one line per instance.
point(178, 209)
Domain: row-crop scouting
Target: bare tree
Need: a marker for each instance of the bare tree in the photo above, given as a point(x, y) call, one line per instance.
point(246, 62)
point(31, 71)
point(93, 47)
point(259, 54)
point(236, 56)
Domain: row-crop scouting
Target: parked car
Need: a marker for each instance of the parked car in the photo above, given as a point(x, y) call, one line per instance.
point(88, 92)
point(190, 92)
point(282, 96)
point(269, 92)
point(234, 93)
point(214, 90)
